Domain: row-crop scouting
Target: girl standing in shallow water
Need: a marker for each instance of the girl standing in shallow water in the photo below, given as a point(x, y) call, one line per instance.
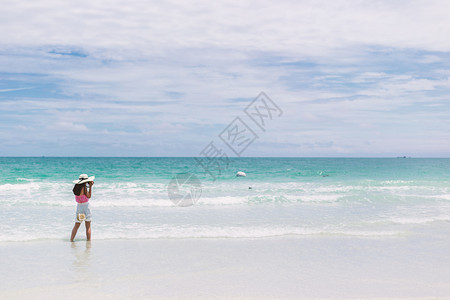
point(83, 193)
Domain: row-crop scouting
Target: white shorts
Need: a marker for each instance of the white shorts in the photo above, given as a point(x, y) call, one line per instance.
point(83, 213)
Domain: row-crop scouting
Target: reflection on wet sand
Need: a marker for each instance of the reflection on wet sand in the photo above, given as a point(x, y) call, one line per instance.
point(81, 263)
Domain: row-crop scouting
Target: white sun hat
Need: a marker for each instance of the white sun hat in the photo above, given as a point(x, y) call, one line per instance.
point(83, 179)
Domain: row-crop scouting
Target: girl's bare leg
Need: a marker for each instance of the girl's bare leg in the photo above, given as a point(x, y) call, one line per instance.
point(88, 230)
point(74, 231)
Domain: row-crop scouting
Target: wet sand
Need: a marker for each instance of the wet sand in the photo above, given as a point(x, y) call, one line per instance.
point(288, 268)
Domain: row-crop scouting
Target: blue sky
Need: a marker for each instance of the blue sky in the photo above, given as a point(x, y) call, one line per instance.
point(164, 78)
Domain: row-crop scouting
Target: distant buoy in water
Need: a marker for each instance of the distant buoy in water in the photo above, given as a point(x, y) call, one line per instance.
point(241, 174)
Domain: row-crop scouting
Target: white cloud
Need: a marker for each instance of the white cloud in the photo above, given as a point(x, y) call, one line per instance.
point(14, 90)
point(115, 68)
point(68, 127)
point(429, 59)
point(287, 27)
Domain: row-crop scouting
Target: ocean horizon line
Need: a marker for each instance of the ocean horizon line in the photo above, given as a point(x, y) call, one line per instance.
point(233, 157)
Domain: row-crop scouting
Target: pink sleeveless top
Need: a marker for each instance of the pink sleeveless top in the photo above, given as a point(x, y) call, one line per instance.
point(81, 199)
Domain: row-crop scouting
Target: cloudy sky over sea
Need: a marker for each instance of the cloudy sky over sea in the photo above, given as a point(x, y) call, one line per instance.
point(164, 78)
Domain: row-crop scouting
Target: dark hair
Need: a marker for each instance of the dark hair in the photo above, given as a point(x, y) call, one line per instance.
point(78, 188)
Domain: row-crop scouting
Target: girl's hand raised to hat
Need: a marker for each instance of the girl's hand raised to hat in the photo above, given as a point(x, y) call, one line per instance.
point(91, 183)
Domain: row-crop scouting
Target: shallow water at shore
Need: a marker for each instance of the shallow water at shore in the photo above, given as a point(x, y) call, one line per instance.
point(288, 197)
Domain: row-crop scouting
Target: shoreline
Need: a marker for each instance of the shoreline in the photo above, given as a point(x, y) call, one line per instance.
point(263, 268)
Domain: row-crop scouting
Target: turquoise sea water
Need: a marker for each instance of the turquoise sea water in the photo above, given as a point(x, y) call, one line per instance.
point(363, 197)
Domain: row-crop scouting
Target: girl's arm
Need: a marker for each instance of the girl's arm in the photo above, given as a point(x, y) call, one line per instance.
point(89, 192)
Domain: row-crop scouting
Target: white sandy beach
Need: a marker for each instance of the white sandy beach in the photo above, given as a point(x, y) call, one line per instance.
point(282, 268)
